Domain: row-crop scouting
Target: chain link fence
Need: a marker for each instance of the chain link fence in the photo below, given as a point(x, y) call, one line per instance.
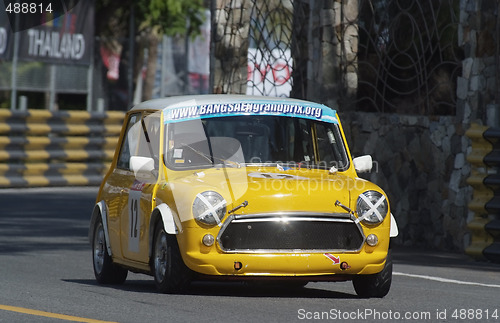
point(373, 55)
point(370, 55)
point(252, 47)
point(408, 57)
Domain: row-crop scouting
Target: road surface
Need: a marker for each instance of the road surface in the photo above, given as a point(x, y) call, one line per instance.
point(46, 276)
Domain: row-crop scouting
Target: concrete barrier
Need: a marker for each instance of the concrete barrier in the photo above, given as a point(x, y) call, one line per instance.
point(43, 148)
point(485, 180)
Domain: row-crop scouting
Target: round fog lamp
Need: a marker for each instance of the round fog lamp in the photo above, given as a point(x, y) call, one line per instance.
point(372, 240)
point(208, 240)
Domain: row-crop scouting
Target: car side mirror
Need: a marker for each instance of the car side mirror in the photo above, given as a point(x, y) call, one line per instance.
point(143, 168)
point(363, 164)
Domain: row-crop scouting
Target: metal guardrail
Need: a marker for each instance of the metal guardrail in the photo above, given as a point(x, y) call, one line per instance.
point(485, 180)
point(43, 148)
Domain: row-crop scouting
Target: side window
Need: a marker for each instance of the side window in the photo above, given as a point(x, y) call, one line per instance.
point(149, 137)
point(304, 150)
point(330, 146)
point(129, 144)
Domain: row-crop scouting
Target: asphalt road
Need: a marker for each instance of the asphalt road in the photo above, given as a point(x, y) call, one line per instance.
point(46, 276)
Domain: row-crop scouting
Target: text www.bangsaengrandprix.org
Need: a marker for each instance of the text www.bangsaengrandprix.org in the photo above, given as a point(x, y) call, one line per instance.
point(365, 314)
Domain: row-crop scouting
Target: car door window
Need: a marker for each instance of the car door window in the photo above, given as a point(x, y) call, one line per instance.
point(129, 143)
point(141, 139)
point(330, 147)
point(149, 137)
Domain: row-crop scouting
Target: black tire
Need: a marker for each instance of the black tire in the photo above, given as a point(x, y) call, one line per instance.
point(105, 271)
point(290, 285)
point(376, 285)
point(295, 284)
point(170, 273)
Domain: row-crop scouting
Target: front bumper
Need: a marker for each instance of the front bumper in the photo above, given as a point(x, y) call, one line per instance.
point(285, 265)
point(292, 245)
point(215, 262)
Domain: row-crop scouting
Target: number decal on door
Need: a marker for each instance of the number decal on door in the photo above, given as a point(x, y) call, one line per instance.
point(134, 216)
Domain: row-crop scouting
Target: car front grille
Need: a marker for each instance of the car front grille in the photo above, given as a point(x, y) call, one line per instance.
point(290, 232)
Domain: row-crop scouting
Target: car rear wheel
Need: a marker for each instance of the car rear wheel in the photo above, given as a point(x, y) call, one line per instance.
point(105, 271)
point(170, 273)
point(376, 285)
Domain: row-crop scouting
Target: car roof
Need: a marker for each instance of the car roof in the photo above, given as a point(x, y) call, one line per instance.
point(185, 100)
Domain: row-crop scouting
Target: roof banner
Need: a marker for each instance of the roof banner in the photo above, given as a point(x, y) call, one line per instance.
point(270, 108)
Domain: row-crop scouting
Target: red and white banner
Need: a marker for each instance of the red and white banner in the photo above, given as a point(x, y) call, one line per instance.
point(269, 72)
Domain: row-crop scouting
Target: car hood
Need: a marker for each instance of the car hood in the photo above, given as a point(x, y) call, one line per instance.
point(266, 189)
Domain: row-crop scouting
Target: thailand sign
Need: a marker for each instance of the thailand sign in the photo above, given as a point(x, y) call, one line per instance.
point(5, 35)
point(50, 33)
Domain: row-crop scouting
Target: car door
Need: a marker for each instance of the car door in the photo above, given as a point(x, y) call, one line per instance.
point(119, 183)
point(137, 200)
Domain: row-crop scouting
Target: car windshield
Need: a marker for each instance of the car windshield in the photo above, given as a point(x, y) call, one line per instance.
point(250, 139)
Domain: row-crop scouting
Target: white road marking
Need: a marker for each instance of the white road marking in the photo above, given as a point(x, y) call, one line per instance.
point(445, 280)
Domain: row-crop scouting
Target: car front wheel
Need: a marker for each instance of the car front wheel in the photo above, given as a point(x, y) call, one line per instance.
point(105, 271)
point(376, 285)
point(170, 273)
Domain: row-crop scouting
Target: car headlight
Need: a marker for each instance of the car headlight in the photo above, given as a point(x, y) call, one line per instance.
point(372, 207)
point(209, 208)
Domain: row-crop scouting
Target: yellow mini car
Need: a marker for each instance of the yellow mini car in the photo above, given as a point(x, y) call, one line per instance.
point(240, 187)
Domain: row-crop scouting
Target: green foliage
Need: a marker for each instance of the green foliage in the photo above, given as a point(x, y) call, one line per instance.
point(174, 16)
point(169, 17)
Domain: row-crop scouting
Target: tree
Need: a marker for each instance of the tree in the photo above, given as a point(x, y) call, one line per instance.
point(173, 17)
point(232, 24)
point(152, 18)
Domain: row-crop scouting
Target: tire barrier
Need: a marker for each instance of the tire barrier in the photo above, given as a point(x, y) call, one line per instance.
point(63, 148)
point(485, 180)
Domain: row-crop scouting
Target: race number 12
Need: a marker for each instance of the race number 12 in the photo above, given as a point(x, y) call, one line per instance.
point(134, 213)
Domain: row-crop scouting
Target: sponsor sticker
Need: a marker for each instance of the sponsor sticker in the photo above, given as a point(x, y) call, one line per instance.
point(335, 259)
point(213, 110)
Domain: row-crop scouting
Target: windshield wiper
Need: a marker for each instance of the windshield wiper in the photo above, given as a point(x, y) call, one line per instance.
point(198, 153)
point(229, 162)
point(211, 158)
